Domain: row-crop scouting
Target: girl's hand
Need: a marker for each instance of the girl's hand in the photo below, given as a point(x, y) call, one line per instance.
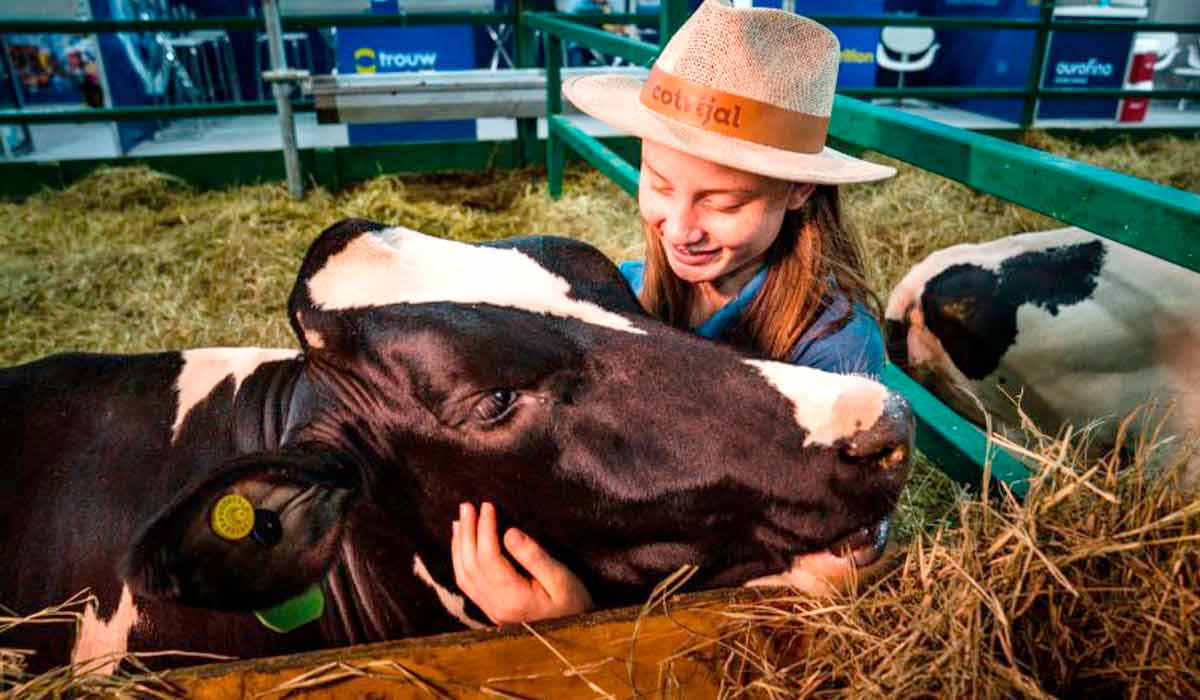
point(482, 572)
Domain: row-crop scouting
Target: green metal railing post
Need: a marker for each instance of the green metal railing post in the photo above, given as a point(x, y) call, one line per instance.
point(635, 51)
point(555, 156)
point(282, 92)
point(1034, 84)
point(595, 153)
point(671, 16)
point(525, 45)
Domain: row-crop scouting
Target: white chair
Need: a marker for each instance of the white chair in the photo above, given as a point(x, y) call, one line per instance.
point(914, 45)
point(1190, 72)
point(1165, 46)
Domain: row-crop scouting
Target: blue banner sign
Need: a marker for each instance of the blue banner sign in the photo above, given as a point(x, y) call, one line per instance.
point(367, 50)
point(857, 67)
point(1084, 59)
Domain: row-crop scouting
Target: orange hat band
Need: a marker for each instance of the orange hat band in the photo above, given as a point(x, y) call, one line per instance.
point(733, 115)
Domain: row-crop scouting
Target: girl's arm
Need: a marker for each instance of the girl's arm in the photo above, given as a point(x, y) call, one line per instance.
point(492, 583)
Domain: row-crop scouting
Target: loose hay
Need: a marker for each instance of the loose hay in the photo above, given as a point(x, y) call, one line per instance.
point(133, 679)
point(1090, 587)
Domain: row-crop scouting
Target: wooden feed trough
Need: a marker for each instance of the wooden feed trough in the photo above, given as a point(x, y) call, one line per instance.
point(618, 653)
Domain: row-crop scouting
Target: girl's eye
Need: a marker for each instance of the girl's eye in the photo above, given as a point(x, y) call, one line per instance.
point(495, 406)
point(725, 206)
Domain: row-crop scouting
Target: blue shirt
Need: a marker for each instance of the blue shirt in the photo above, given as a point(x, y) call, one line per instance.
point(856, 347)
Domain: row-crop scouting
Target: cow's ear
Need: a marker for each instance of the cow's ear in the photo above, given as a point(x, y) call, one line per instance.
point(257, 532)
point(337, 254)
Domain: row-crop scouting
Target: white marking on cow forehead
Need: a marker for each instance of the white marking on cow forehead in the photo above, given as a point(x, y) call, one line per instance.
point(205, 368)
point(456, 605)
point(104, 641)
point(989, 256)
point(829, 406)
point(401, 266)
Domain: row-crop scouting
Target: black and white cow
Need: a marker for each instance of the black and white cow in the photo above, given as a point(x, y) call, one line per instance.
point(431, 372)
point(1079, 327)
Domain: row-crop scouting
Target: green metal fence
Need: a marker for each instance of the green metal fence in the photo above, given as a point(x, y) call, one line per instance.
point(671, 14)
point(1159, 220)
point(23, 177)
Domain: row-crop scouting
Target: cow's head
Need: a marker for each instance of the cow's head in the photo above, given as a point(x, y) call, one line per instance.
point(525, 373)
point(964, 321)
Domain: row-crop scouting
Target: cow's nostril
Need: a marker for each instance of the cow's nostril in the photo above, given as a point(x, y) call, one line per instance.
point(886, 444)
point(894, 457)
point(890, 457)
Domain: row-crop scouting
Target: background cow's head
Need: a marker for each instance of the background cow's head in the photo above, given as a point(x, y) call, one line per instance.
point(526, 374)
point(969, 321)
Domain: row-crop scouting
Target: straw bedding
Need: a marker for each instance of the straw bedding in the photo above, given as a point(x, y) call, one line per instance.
point(1091, 587)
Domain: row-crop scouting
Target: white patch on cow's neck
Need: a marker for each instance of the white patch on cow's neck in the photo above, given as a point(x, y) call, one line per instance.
point(454, 604)
point(401, 266)
point(829, 406)
point(97, 639)
point(205, 368)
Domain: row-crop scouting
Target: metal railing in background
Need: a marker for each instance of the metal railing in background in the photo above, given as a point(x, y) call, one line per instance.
point(1159, 220)
point(671, 14)
point(574, 28)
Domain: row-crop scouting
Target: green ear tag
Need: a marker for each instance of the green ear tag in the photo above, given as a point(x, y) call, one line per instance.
point(293, 612)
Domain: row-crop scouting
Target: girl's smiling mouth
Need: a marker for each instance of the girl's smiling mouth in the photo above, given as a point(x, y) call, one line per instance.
point(690, 256)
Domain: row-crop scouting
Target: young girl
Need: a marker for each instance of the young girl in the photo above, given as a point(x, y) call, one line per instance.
point(745, 243)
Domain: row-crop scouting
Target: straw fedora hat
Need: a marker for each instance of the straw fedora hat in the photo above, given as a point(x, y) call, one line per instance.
point(750, 88)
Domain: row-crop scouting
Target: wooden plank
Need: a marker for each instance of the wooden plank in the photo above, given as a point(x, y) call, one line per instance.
point(389, 97)
point(618, 653)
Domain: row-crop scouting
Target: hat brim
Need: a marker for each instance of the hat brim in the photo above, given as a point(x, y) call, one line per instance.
point(613, 99)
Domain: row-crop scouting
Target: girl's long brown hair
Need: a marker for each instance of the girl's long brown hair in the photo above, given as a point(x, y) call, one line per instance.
point(814, 247)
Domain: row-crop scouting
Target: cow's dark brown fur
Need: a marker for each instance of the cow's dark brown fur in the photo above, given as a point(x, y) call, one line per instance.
point(626, 454)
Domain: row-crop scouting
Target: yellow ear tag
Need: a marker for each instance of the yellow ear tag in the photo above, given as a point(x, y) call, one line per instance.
point(233, 517)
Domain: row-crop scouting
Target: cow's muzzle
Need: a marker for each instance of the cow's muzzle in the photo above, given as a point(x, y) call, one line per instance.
point(883, 451)
point(865, 545)
point(864, 552)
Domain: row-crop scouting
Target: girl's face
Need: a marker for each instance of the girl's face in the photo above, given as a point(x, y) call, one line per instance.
point(713, 221)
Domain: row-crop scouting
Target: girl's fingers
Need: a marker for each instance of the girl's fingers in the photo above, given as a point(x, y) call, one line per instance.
point(486, 539)
point(494, 569)
point(486, 576)
point(555, 578)
point(466, 530)
point(460, 576)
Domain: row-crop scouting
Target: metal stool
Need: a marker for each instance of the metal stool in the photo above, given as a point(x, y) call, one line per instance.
point(217, 41)
point(194, 60)
point(297, 51)
point(499, 34)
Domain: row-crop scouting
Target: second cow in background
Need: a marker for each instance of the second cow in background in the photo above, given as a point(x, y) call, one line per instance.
point(1078, 327)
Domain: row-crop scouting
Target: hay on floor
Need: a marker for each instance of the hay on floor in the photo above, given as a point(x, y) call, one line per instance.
point(1090, 586)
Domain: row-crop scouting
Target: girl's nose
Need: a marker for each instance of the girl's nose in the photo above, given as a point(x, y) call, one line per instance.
point(680, 227)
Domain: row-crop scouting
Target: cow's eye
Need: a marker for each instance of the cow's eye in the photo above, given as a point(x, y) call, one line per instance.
point(495, 406)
